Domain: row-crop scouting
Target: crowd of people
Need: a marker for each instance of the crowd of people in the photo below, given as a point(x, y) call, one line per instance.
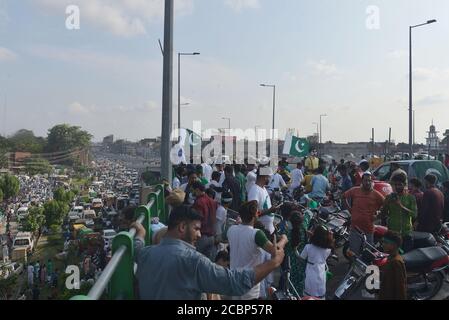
point(201, 255)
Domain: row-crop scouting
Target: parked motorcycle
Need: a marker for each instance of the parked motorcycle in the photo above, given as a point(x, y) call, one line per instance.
point(425, 270)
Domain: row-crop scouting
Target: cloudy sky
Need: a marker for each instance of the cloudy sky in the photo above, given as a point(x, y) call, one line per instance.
point(329, 57)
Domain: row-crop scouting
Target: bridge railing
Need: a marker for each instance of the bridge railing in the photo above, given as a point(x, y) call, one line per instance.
point(118, 275)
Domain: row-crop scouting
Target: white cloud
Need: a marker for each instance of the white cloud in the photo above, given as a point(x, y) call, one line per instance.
point(239, 5)
point(7, 55)
point(120, 17)
point(325, 68)
point(77, 109)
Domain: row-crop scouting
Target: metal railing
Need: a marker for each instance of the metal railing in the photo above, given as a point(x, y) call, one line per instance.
point(119, 272)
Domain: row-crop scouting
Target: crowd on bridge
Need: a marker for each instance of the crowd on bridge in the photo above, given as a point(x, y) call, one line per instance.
point(223, 240)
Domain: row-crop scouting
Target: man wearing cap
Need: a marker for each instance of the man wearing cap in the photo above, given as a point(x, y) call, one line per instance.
point(207, 208)
point(260, 194)
point(365, 203)
point(395, 170)
point(174, 270)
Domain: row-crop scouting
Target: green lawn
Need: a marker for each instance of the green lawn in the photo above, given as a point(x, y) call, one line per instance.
point(47, 248)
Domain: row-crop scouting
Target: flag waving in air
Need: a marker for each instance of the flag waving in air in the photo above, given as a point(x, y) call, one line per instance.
point(187, 139)
point(296, 147)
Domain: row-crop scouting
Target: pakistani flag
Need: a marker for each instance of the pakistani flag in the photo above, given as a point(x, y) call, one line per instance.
point(187, 140)
point(296, 147)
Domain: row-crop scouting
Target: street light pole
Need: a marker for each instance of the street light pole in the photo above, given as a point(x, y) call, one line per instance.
point(229, 122)
point(179, 83)
point(317, 130)
point(410, 115)
point(274, 106)
point(167, 106)
point(321, 130)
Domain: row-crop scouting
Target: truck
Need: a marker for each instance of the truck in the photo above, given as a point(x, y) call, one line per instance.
point(24, 240)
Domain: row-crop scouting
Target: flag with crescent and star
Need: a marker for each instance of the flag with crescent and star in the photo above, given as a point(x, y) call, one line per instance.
point(187, 139)
point(296, 147)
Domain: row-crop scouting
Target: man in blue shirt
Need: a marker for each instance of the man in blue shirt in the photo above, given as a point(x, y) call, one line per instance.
point(320, 185)
point(175, 270)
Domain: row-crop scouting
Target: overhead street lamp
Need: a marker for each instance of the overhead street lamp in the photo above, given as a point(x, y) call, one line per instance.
point(179, 82)
point(274, 104)
point(229, 122)
point(410, 116)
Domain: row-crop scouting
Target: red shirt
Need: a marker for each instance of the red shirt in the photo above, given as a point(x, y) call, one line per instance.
point(207, 208)
point(365, 204)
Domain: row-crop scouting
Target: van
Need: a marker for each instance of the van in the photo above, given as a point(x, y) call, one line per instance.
point(24, 240)
point(89, 216)
point(97, 203)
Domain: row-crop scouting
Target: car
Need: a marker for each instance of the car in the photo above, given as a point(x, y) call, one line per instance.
point(22, 213)
point(415, 169)
point(109, 234)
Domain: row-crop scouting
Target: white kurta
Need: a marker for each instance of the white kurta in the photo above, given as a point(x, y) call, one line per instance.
point(315, 284)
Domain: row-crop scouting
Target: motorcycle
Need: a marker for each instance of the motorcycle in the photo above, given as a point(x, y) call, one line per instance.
point(420, 240)
point(425, 270)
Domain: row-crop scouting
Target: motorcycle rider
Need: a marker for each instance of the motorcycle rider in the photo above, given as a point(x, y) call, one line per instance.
point(365, 202)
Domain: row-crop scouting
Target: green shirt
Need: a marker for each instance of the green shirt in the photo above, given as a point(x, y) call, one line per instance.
point(242, 182)
point(400, 220)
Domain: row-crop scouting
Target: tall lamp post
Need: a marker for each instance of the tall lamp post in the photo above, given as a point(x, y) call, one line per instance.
point(317, 130)
point(229, 122)
point(166, 167)
point(321, 130)
point(179, 83)
point(410, 117)
point(274, 104)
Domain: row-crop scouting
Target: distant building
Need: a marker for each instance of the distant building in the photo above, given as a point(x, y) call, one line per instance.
point(108, 140)
point(432, 140)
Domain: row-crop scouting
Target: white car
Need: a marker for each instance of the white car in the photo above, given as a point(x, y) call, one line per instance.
point(109, 234)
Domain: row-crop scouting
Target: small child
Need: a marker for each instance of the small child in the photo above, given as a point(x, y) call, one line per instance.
point(316, 254)
point(393, 275)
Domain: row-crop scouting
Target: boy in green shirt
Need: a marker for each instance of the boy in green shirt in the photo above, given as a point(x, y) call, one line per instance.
point(400, 210)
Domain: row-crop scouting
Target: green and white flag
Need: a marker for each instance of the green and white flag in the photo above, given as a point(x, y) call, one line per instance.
point(296, 147)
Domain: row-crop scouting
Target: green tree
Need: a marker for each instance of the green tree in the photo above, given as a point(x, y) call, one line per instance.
point(1, 195)
point(55, 212)
point(35, 219)
point(10, 186)
point(63, 196)
point(37, 166)
point(64, 137)
point(25, 141)
point(7, 286)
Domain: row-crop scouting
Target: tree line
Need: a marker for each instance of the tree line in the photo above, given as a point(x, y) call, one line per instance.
point(59, 147)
